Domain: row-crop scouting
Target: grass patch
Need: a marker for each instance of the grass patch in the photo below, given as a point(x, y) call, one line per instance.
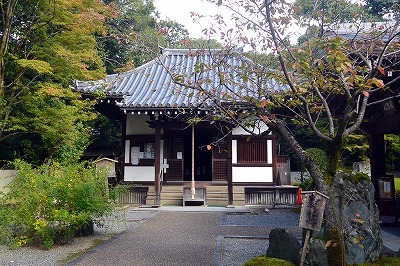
point(267, 261)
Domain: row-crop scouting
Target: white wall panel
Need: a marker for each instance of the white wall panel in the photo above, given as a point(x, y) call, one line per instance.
point(127, 150)
point(234, 151)
point(252, 174)
point(259, 128)
point(139, 173)
point(269, 151)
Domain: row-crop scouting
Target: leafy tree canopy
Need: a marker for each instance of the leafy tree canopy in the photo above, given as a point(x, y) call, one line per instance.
point(382, 8)
point(43, 46)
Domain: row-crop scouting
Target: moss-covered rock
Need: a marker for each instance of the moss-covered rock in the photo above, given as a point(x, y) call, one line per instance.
point(267, 261)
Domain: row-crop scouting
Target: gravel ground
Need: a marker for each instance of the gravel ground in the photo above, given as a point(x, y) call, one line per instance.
point(240, 235)
point(273, 218)
point(62, 254)
point(238, 250)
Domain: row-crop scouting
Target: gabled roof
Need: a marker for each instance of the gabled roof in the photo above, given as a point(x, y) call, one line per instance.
point(151, 85)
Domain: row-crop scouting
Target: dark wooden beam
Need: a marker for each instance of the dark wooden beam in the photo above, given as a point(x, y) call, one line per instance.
point(387, 206)
point(229, 170)
point(157, 161)
point(123, 140)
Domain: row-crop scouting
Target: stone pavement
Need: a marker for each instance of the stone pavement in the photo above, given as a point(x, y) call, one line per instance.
point(191, 236)
point(391, 238)
point(197, 236)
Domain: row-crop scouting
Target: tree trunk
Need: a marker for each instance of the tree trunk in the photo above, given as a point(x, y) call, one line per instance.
point(323, 182)
point(7, 15)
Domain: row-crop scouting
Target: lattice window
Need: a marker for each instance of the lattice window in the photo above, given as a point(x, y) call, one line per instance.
point(220, 170)
point(220, 164)
point(220, 150)
point(173, 147)
point(174, 172)
point(251, 151)
point(174, 154)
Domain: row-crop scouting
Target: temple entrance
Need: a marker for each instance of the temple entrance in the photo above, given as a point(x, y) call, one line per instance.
point(202, 156)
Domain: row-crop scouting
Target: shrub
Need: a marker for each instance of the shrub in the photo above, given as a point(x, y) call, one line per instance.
point(48, 204)
point(264, 261)
point(307, 184)
point(397, 186)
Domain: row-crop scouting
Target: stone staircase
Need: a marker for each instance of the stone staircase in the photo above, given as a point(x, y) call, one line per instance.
point(216, 195)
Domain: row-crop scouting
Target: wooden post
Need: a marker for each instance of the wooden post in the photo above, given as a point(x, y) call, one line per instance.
point(312, 212)
point(229, 170)
point(193, 189)
point(305, 247)
point(157, 162)
point(377, 157)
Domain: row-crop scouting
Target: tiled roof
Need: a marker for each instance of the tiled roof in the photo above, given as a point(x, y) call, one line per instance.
point(365, 30)
point(151, 85)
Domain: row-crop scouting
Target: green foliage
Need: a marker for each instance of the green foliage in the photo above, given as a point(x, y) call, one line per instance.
point(106, 134)
point(397, 186)
point(338, 11)
point(61, 201)
point(267, 261)
point(133, 21)
point(174, 33)
point(380, 8)
point(357, 176)
point(392, 152)
point(355, 149)
point(320, 157)
point(52, 43)
point(307, 184)
point(60, 120)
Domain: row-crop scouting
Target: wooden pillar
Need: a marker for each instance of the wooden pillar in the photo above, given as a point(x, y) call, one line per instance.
point(123, 140)
point(193, 186)
point(386, 204)
point(157, 161)
point(229, 170)
point(377, 159)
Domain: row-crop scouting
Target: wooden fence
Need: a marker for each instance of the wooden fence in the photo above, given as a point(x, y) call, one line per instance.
point(133, 195)
point(271, 196)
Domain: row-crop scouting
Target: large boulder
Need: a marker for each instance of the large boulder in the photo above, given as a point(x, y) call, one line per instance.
point(356, 198)
point(354, 202)
point(316, 254)
point(283, 245)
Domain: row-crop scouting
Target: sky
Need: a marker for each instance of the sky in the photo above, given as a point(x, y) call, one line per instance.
point(179, 10)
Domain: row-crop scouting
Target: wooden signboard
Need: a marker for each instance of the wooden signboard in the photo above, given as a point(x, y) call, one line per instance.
point(312, 210)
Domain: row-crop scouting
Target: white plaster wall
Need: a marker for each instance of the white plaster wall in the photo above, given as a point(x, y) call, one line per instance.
point(139, 173)
point(269, 151)
point(136, 125)
point(162, 151)
point(127, 150)
point(234, 151)
point(259, 128)
point(252, 174)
